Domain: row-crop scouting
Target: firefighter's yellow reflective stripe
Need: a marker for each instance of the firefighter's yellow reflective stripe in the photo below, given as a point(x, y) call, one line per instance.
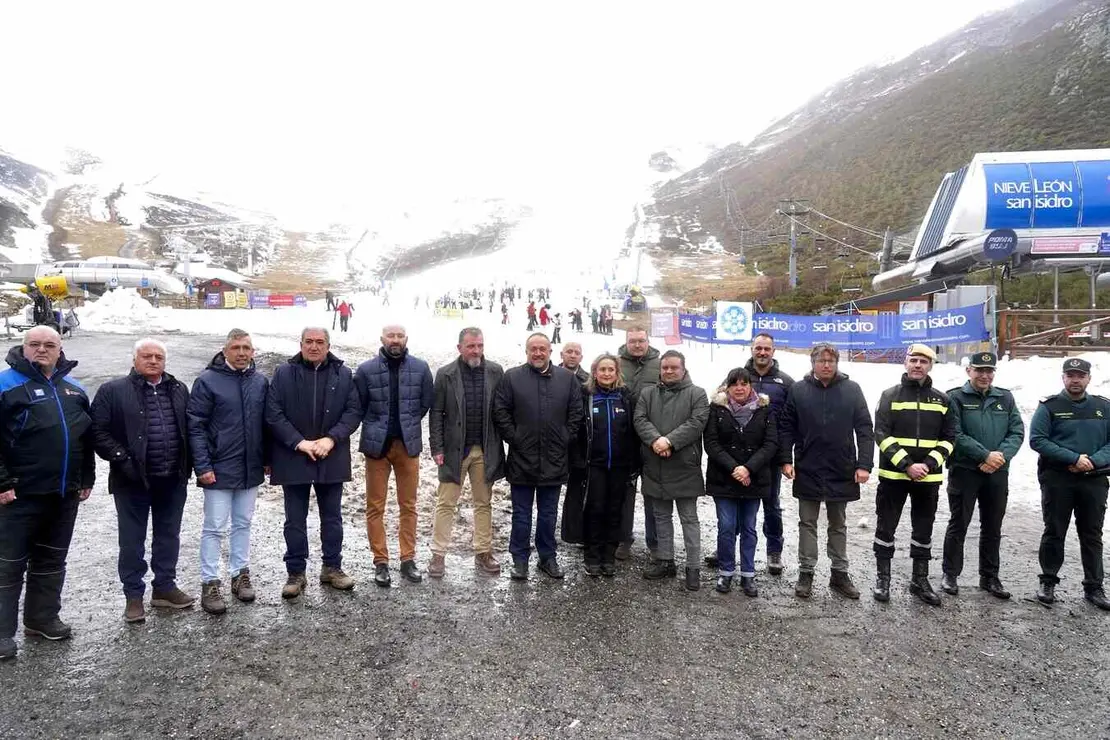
point(937, 456)
point(898, 457)
point(946, 446)
point(909, 442)
point(894, 475)
point(915, 406)
point(886, 443)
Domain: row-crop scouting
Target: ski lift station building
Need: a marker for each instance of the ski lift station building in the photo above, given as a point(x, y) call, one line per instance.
point(1030, 210)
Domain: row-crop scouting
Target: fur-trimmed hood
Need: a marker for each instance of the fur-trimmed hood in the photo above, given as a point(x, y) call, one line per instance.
point(721, 397)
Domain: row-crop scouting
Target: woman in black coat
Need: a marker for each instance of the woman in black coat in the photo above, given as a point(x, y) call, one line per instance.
point(612, 455)
point(741, 441)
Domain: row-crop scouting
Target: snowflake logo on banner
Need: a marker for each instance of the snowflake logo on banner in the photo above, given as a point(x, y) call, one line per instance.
point(734, 320)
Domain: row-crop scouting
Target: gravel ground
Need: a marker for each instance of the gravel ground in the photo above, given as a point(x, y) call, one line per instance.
point(473, 657)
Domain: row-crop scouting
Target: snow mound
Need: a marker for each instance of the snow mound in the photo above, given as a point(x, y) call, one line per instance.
point(118, 311)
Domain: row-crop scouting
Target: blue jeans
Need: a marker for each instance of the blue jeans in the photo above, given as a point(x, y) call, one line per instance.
point(772, 514)
point(329, 497)
point(221, 505)
point(163, 504)
point(546, 500)
point(736, 516)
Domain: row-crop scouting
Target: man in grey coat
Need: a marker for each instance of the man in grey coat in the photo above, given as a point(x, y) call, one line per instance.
point(669, 419)
point(465, 442)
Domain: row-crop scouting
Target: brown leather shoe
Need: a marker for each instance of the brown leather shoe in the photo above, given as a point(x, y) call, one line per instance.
point(241, 586)
point(175, 598)
point(134, 611)
point(336, 578)
point(437, 568)
point(485, 563)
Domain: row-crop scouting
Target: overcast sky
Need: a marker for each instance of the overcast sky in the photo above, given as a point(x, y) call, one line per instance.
point(281, 103)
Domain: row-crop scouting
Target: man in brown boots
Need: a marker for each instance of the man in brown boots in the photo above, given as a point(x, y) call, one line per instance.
point(465, 442)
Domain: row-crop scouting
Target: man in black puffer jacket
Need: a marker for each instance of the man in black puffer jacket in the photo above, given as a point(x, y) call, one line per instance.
point(535, 407)
point(826, 429)
point(228, 439)
point(140, 428)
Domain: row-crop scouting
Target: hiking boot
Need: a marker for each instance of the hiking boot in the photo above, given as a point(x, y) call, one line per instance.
point(1097, 597)
point(693, 579)
point(211, 600)
point(485, 564)
point(950, 586)
point(660, 569)
point(175, 598)
point(7, 648)
point(241, 586)
point(336, 578)
point(712, 561)
point(994, 587)
point(803, 589)
point(624, 551)
point(920, 586)
point(747, 583)
point(381, 575)
point(410, 572)
point(841, 582)
point(774, 563)
point(724, 584)
point(608, 570)
point(53, 630)
point(134, 611)
point(437, 568)
point(519, 571)
point(294, 586)
point(551, 568)
point(593, 569)
point(881, 592)
point(1046, 594)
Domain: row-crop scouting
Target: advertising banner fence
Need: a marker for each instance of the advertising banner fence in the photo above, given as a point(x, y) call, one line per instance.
point(857, 331)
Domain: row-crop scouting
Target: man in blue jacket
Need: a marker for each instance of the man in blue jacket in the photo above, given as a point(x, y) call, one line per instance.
point(312, 409)
point(47, 467)
point(140, 428)
point(1071, 432)
point(227, 436)
point(395, 391)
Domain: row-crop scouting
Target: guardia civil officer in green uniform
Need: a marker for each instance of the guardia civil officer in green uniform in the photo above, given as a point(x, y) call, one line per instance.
point(916, 434)
point(989, 432)
point(1071, 432)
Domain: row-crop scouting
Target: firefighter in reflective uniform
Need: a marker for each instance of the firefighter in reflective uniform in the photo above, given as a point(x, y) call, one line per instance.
point(1071, 433)
point(916, 434)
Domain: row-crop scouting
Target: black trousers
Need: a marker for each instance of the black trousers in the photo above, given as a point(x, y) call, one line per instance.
point(574, 504)
point(605, 498)
point(35, 532)
point(1062, 494)
point(965, 488)
point(162, 504)
point(890, 498)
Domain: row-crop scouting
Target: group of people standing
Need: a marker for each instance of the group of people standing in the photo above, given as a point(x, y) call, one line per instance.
point(635, 419)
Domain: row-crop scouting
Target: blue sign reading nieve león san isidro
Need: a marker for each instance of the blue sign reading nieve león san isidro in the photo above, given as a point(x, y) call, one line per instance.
point(858, 331)
point(1048, 195)
point(1000, 244)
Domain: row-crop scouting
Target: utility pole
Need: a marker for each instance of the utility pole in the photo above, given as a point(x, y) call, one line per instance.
point(792, 208)
point(888, 251)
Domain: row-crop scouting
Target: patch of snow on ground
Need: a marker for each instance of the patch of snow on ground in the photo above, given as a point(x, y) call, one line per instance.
point(118, 311)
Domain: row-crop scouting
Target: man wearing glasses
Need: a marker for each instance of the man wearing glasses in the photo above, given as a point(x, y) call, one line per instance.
point(989, 432)
point(47, 467)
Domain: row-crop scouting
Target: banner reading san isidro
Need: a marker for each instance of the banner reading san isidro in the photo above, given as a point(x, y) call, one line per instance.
point(734, 325)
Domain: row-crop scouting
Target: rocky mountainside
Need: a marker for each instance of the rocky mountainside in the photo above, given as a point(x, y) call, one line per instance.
point(872, 149)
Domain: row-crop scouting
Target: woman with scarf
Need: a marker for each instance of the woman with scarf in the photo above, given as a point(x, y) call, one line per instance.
point(613, 457)
point(741, 441)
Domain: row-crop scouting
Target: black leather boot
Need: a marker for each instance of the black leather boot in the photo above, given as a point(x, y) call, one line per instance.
point(920, 586)
point(1046, 594)
point(659, 570)
point(994, 587)
point(949, 584)
point(881, 592)
point(747, 583)
point(693, 579)
point(724, 584)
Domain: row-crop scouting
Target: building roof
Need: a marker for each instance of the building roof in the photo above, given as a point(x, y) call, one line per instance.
point(908, 292)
